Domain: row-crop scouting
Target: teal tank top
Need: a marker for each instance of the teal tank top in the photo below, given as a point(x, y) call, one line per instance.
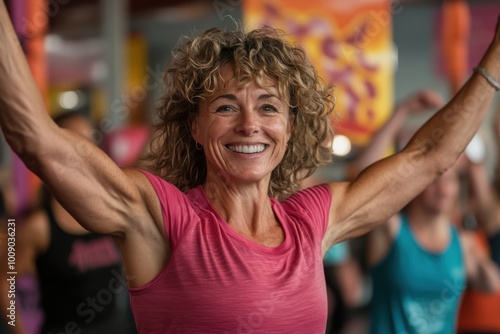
point(416, 291)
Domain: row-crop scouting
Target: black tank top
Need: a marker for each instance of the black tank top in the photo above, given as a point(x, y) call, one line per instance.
point(82, 284)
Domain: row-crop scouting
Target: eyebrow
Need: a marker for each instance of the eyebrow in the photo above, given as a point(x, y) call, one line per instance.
point(233, 97)
point(225, 96)
point(267, 96)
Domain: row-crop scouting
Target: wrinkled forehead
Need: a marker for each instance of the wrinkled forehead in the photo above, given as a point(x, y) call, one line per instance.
point(230, 79)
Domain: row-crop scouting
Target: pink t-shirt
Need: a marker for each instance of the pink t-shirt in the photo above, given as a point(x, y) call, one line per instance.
point(217, 281)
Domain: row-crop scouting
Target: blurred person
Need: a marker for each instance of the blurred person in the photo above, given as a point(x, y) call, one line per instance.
point(79, 273)
point(420, 261)
point(208, 243)
point(343, 276)
point(494, 239)
point(479, 311)
point(345, 284)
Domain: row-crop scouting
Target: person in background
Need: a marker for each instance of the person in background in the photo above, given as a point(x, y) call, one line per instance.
point(219, 239)
point(479, 310)
point(494, 240)
point(420, 261)
point(80, 274)
point(346, 287)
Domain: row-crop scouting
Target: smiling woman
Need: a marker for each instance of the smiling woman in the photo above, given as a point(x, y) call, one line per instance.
point(214, 67)
point(245, 134)
point(206, 243)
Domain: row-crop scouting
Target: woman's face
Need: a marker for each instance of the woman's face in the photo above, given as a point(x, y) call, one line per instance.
point(243, 132)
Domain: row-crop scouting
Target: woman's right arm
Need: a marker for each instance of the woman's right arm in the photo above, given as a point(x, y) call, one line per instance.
point(90, 186)
point(97, 193)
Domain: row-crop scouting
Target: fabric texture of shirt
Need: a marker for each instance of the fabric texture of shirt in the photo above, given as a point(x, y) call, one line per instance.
point(416, 291)
point(217, 281)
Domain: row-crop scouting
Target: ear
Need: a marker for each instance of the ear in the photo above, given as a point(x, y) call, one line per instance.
point(195, 129)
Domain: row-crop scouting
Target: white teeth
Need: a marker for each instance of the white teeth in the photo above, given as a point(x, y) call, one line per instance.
point(247, 149)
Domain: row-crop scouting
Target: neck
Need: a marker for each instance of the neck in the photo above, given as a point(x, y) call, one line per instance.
point(245, 206)
point(427, 219)
point(431, 229)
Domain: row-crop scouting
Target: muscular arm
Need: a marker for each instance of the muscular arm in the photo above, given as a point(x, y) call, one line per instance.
point(99, 195)
point(385, 187)
point(380, 238)
point(82, 178)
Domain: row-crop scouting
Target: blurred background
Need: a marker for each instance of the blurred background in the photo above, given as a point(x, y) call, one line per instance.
point(105, 58)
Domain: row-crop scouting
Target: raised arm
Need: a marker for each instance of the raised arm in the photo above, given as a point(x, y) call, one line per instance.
point(382, 189)
point(98, 194)
point(82, 177)
point(379, 240)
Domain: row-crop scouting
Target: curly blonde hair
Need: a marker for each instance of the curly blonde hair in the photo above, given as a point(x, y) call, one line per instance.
point(194, 74)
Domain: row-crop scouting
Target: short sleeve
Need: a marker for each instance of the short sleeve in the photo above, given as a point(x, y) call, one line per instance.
point(176, 208)
point(315, 203)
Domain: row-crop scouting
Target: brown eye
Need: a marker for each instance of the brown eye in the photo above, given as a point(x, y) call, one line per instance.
point(269, 108)
point(225, 108)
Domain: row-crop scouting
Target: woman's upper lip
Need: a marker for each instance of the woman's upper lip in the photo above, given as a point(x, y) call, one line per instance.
point(246, 144)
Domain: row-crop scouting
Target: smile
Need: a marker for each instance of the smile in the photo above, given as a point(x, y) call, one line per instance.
point(247, 149)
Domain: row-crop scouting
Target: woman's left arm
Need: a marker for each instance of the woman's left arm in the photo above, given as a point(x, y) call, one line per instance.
point(384, 188)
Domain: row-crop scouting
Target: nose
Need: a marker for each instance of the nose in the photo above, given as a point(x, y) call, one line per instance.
point(248, 122)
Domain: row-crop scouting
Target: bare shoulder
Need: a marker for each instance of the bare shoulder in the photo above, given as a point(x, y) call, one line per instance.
point(338, 191)
point(148, 240)
point(148, 198)
point(140, 181)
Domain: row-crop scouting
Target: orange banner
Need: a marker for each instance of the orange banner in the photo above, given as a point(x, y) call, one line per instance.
point(350, 44)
